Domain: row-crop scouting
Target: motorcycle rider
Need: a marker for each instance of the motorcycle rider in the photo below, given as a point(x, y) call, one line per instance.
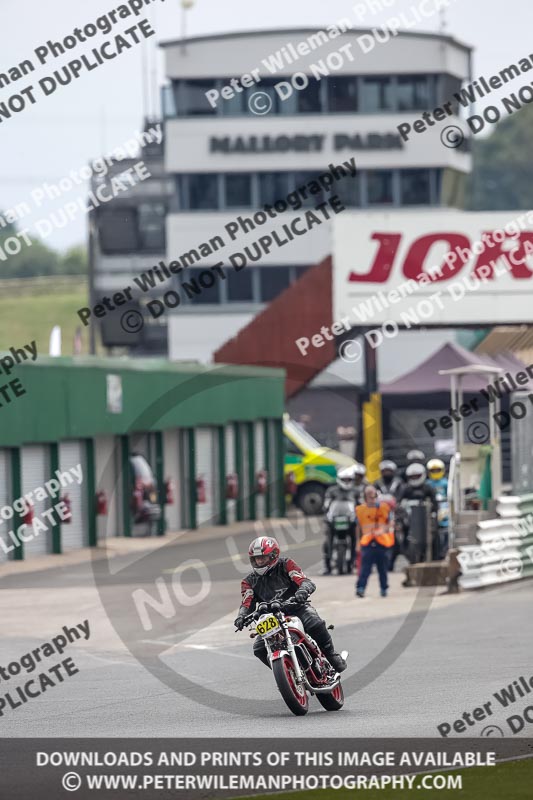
point(359, 475)
point(414, 457)
point(418, 488)
point(389, 482)
point(343, 490)
point(278, 578)
point(436, 470)
point(390, 485)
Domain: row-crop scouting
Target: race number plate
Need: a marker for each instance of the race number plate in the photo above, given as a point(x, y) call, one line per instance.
point(267, 626)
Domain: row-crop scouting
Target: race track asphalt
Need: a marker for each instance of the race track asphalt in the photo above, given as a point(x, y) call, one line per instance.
point(418, 658)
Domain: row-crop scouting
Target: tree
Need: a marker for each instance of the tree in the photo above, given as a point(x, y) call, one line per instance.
point(74, 261)
point(502, 174)
point(38, 259)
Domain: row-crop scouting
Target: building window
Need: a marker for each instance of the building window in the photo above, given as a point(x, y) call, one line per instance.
point(118, 231)
point(379, 184)
point(413, 93)
point(234, 106)
point(273, 186)
point(239, 285)
point(238, 190)
point(376, 94)
point(348, 191)
point(197, 293)
point(203, 192)
point(300, 180)
point(342, 92)
point(273, 280)
point(151, 217)
point(415, 187)
point(309, 98)
point(193, 100)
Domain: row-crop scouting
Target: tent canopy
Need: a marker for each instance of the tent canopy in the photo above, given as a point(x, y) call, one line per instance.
point(425, 378)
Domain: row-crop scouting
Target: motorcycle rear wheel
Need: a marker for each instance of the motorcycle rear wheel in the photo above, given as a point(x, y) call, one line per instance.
point(295, 696)
point(332, 701)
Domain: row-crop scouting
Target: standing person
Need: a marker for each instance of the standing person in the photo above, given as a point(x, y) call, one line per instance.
point(374, 537)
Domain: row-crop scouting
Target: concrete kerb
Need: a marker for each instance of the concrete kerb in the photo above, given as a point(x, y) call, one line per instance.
point(113, 546)
point(152, 662)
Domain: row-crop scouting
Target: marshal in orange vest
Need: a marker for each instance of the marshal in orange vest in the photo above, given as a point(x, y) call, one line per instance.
point(375, 524)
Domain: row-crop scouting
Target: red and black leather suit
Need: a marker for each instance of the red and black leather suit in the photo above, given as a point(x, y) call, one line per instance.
point(281, 583)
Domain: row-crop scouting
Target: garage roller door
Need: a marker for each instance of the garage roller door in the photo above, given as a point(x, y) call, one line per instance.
point(272, 471)
point(5, 500)
point(245, 467)
point(107, 461)
point(259, 440)
point(171, 461)
point(76, 533)
point(229, 434)
point(35, 469)
point(206, 461)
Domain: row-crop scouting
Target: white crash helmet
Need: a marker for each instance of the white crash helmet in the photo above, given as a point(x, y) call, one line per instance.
point(358, 472)
point(345, 478)
point(416, 456)
point(415, 474)
point(387, 466)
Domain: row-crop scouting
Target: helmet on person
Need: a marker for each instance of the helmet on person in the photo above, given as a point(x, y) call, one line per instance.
point(263, 554)
point(416, 456)
point(358, 472)
point(436, 469)
point(345, 478)
point(415, 474)
point(387, 468)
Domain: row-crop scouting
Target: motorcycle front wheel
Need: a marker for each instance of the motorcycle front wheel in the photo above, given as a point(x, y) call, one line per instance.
point(295, 696)
point(333, 701)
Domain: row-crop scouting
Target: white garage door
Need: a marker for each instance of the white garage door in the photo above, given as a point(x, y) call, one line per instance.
point(107, 467)
point(206, 462)
point(6, 525)
point(35, 469)
point(74, 534)
point(229, 434)
point(260, 464)
point(245, 467)
point(171, 462)
point(272, 438)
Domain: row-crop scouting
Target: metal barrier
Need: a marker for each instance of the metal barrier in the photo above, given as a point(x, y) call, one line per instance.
point(505, 549)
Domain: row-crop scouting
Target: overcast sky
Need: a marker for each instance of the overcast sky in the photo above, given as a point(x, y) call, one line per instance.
point(103, 108)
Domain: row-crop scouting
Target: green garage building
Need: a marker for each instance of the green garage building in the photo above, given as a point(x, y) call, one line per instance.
point(202, 430)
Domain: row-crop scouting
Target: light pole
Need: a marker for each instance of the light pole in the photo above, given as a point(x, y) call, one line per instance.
point(185, 6)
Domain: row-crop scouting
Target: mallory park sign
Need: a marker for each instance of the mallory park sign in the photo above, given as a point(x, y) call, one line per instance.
point(305, 143)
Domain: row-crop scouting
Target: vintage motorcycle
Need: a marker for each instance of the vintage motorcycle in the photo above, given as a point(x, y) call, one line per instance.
point(298, 664)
